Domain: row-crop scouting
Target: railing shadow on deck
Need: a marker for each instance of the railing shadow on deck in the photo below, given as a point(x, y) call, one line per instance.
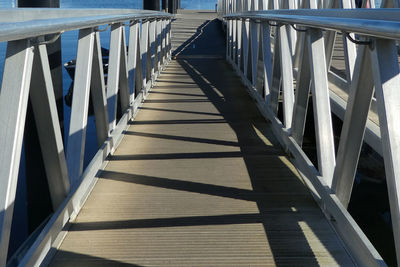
point(91, 260)
point(254, 155)
point(198, 72)
point(201, 41)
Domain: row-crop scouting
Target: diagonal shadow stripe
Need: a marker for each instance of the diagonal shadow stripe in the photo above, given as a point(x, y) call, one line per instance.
point(182, 111)
point(79, 259)
point(180, 94)
point(184, 138)
point(169, 222)
point(205, 100)
point(194, 187)
point(196, 155)
point(204, 121)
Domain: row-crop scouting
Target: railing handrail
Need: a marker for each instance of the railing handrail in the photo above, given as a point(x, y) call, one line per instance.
point(376, 23)
point(66, 20)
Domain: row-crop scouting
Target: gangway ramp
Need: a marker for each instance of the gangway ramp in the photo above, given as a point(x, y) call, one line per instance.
point(199, 180)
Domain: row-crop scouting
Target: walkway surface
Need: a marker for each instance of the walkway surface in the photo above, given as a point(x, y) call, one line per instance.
point(199, 179)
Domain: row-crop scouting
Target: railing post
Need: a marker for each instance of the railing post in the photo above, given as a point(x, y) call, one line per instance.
point(287, 74)
point(138, 85)
point(387, 81)
point(246, 38)
point(267, 61)
point(276, 74)
point(302, 91)
point(321, 103)
point(80, 105)
point(229, 39)
point(143, 49)
point(34, 164)
point(254, 35)
point(355, 119)
point(153, 49)
point(159, 45)
point(234, 40)
point(239, 38)
point(117, 81)
point(13, 104)
point(132, 58)
point(48, 127)
point(169, 37)
point(98, 93)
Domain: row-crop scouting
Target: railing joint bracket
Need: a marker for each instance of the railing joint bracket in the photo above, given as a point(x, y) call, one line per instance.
point(41, 40)
point(355, 41)
point(297, 29)
point(96, 29)
point(272, 25)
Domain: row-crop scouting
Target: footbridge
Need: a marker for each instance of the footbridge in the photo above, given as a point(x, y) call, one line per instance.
point(201, 122)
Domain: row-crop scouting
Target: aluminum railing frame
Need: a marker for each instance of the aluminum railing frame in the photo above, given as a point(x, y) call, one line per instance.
point(372, 135)
point(27, 75)
point(374, 66)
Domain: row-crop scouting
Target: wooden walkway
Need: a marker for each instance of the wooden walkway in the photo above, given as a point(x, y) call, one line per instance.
point(199, 180)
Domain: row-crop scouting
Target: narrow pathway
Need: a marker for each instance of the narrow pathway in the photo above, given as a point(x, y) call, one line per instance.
point(199, 180)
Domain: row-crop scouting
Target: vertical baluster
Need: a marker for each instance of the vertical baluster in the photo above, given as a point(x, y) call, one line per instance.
point(117, 74)
point(159, 45)
point(276, 67)
point(163, 49)
point(276, 75)
point(239, 35)
point(169, 37)
point(80, 105)
point(353, 128)
point(98, 93)
point(387, 81)
point(321, 103)
point(254, 35)
point(133, 58)
point(139, 61)
point(234, 40)
point(267, 60)
point(228, 39)
point(302, 92)
point(153, 48)
point(13, 104)
point(287, 74)
point(246, 36)
point(143, 49)
point(49, 132)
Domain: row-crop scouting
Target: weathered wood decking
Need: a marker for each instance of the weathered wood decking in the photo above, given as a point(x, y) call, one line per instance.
point(199, 180)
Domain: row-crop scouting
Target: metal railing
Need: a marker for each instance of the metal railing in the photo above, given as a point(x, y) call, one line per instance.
point(286, 54)
point(131, 73)
point(340, 83)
